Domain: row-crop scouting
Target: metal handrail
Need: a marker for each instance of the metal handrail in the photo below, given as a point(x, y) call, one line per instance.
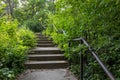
point(63, 31)
point(55, 27)
point(109, 74)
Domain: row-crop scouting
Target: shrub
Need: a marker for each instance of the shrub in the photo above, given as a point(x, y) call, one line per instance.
point(26, 36)
point(14, 44)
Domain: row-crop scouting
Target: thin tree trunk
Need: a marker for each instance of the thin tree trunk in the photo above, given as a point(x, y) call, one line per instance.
point(10, 7)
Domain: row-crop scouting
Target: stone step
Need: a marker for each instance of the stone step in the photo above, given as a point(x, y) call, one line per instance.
point(46, 64)
point(42, 37)
point(45, 50)
point(45, 42)
point(46, 57)
point(45, 45)
point(38, 34)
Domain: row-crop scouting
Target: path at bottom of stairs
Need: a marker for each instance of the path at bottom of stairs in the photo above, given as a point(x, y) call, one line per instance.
point(47, 74)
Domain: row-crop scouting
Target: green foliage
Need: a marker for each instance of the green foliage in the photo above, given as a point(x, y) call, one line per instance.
point(27, 37)
point(33, 14)
point(75, 69)
point(6, 74)
point(14, 44)
point(34, 25)
point(97, 21)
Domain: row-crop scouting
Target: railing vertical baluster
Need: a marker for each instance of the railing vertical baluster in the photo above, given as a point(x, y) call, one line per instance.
point(81, 68)
point(69, 53)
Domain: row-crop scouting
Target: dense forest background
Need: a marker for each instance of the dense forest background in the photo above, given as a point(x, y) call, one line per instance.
point(97, 21)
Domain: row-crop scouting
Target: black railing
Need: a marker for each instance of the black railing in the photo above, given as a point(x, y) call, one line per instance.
point(94, 55)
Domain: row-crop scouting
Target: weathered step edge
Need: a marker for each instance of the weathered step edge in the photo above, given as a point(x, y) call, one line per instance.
point(47, 57)
point(48, 50)
point(45, 42)
point(46, 64)
point(45, 45)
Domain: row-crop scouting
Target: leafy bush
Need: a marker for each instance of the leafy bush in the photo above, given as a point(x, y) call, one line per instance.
point(6, 74)
point(14, 44)
point(26, 36)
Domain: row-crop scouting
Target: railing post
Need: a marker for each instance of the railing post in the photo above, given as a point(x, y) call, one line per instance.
point(81, 66)
point(69, 52)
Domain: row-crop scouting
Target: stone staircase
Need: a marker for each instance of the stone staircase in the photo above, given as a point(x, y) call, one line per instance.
point(45, 55)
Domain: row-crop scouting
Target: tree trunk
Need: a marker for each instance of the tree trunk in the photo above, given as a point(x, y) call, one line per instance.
point(10, 7)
